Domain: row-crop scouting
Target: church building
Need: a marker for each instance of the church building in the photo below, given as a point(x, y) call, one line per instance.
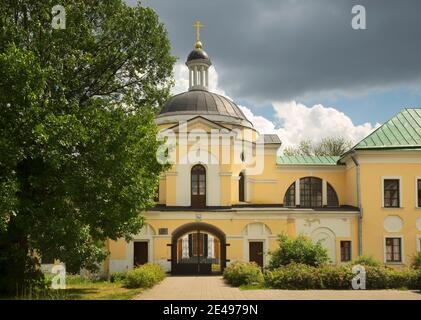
point(228, 194)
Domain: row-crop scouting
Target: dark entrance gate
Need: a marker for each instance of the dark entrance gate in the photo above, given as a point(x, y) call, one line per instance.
point(198, 248)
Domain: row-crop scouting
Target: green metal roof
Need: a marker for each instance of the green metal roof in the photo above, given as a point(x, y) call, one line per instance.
point(308, 160)
point(401, 132)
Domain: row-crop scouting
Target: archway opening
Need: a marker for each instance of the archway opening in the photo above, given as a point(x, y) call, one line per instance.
point(198, 248)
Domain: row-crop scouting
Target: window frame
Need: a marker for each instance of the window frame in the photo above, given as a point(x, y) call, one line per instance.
point(291, 188)
point(402, 255)
point(399, 192)
point(310, 192)
point(349, 248)
point(418, 192)
point(328, 185)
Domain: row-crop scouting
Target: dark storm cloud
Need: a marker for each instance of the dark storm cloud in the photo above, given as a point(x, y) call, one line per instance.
point(278, 50)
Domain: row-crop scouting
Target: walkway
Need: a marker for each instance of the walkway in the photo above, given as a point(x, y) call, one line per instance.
point(213, 288)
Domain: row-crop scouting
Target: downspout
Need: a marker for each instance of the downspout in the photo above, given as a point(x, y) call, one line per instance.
point(360, 217)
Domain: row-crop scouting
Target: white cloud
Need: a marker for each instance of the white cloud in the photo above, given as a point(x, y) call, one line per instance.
point(300, 122)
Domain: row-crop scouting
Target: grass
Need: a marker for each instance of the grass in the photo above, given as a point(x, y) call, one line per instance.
point(82, 289)
point(253, 287)
point(100, 290)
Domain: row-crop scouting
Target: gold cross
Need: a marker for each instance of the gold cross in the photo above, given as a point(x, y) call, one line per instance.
point(198, 25)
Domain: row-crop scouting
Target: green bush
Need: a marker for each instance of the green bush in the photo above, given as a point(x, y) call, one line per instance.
point(299, 250)
point(243, 273)
point(416, 261)
point(118, 276)
point(144, 276)
point(336, 278)
point(300, 276)
point(294, 276)
point(366, 261)
point(388, 278)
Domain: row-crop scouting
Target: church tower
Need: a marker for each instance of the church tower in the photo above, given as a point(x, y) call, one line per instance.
point(198, 63)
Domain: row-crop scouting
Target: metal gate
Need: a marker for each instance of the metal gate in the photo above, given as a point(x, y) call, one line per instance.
point(198, 248)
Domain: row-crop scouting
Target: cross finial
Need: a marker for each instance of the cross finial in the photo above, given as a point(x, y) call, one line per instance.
point(198, 25)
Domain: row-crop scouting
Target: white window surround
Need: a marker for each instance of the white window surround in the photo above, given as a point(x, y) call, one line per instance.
point(402, 250)
point(324, 192)
point(297, 192)
point(418, 243)
point(400, 190)
point(416, 192)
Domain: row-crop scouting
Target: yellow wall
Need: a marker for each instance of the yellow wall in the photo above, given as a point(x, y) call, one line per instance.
point(374, 214)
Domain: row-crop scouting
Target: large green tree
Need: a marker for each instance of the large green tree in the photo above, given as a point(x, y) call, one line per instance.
point(77, 131)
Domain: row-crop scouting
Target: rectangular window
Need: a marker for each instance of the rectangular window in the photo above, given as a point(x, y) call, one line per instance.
point(345, 251)
point(393, 250)
point(163, 231)
point(419, 192)
point(310, 192)
point(391, 193)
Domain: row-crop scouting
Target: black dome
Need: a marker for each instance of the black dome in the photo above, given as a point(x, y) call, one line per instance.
point(202, 102)
point(197, 54)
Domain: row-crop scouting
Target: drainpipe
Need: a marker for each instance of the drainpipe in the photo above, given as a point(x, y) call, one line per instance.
point(360, 217)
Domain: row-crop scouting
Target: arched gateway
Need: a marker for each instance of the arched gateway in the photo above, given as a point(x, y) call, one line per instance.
point(198, 248)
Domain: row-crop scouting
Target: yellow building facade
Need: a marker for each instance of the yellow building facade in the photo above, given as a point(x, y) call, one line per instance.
point(228, 194)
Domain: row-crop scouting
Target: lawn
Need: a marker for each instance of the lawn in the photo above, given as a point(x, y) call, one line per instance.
point(99, 290)
point(82, 289)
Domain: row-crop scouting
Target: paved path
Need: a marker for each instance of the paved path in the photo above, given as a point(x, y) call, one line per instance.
point(213, 288)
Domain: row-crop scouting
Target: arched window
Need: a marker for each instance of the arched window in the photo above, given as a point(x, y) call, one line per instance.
point(241, 188)
point(198, 186)
point(332, 197)
point(289, 199)
point(311, 192)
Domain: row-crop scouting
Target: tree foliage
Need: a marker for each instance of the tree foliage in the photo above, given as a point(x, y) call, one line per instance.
point(77, 131)
point(332, 146)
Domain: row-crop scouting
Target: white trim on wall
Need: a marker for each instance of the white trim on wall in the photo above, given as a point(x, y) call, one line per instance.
point(416, 191)
point(400, 191)
point(402, 249)
point(297, 192)
point(418, 243)
point(324, 192)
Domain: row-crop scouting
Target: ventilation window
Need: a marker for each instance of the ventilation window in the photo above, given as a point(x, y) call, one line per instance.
point(163, 231)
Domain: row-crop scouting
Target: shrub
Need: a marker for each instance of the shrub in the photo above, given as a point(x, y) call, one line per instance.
point(294, 276)
point(389, 278)
point(336, 278)
point(299, 250)
point(299, 276)
point(118, 276)
point(243, 273)
point(366, 261)
point(416, 261)
point(144, 276)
